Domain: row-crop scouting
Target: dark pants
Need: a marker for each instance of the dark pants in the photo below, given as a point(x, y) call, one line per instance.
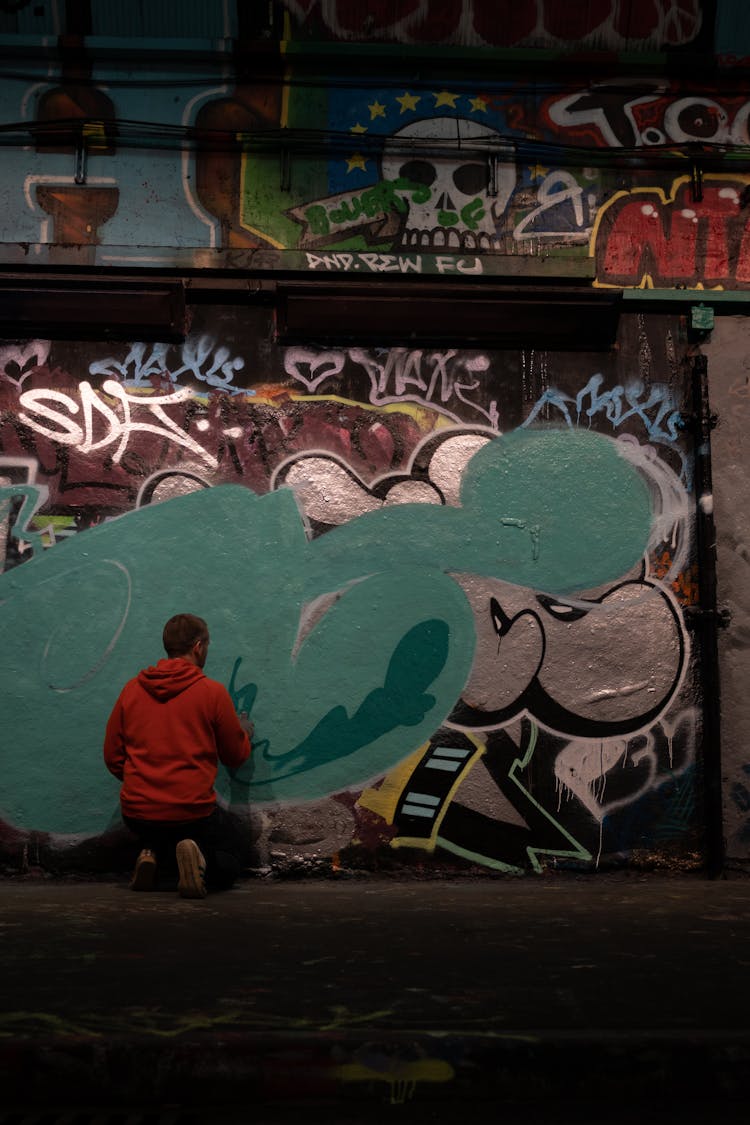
point(213, 834)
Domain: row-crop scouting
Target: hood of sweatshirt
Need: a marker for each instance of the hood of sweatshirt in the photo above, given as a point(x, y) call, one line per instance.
point(169, 678)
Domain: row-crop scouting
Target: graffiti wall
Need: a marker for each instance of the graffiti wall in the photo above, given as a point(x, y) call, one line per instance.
point(483, 23)
point(634, 182)
point(453, 585)
point(449, 587)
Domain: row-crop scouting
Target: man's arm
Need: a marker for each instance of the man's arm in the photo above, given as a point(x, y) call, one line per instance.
point(114, 742)
point(232, 741)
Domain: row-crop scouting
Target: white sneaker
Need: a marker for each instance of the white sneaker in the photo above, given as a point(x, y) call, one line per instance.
point(192, 869)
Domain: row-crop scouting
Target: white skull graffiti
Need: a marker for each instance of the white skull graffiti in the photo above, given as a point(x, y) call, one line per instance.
point(463, 207)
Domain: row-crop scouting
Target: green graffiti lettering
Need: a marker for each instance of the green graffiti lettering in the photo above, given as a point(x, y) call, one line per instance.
point(387, 195)
point(420, 193)
point(21, 529)
point(381, 198)
point(447, 218)
point(372, 202)
point(473, 213)
point(345, 212)
point(317, 219)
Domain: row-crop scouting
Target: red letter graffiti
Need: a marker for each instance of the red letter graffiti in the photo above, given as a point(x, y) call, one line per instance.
point(644, 236)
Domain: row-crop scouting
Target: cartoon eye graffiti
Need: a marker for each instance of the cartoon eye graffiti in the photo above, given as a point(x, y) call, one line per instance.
point(561, 611)
point(471, 179)
point(419, 172)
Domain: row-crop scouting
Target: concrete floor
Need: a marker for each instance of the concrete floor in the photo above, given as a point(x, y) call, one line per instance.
point(381, 1000)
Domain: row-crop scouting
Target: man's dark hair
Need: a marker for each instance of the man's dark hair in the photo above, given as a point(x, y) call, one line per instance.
point(181, 632)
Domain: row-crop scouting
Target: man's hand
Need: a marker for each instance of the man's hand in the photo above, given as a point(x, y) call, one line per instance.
point(247, 724)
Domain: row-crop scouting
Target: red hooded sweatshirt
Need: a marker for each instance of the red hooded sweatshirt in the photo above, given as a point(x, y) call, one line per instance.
point(168, 731)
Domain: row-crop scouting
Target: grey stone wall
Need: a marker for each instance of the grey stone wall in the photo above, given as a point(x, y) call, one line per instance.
point(728, 355)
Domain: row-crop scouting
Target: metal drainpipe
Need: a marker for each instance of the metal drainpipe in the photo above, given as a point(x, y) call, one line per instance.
point(705, 619)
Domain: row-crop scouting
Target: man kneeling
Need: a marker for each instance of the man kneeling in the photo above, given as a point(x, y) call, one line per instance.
point(168, 731)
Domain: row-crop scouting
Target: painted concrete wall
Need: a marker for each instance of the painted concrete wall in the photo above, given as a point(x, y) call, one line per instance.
point(727, 353)
point(450, 584)
point(456, 616)
point(455, 177)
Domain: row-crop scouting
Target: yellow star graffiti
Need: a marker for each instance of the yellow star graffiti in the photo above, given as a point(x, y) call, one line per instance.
point(446, 98)
point(376, 110)
point(356, 161)
point(478, 105)
point(538, 171)
point(408, 101)
point(358, 128)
